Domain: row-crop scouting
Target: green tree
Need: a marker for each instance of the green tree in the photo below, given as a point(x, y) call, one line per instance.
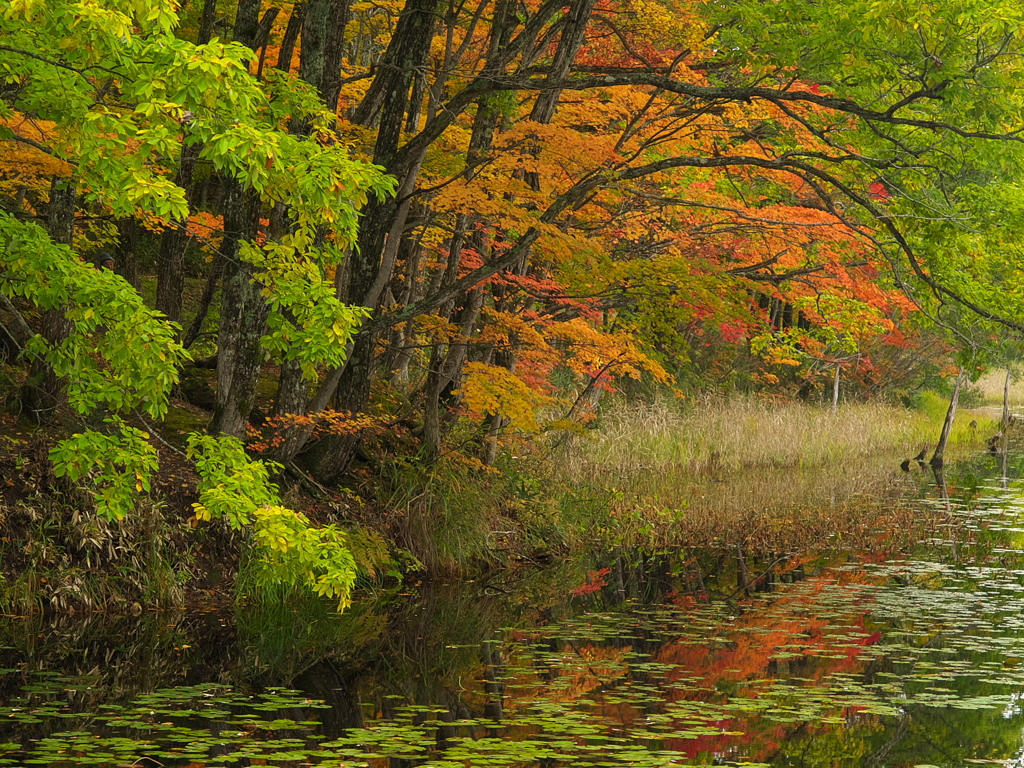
point(121, 99)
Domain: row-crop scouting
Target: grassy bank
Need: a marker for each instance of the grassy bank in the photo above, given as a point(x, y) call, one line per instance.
point(745, 432)
point(751, 472)
point(724, 473)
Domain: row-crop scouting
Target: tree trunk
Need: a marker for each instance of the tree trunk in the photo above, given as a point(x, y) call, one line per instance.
point(247, 22)
point(323, 41)
point(45, 392)
point(330, 82)
point(126, 262)
point(371, 264)
point(293, 390)
point(263, 37)
point(243, 317)
point(947, 426)
point(243, 310)
point(291, 35)
point(1004, 423)
point(388, 94)
point(835, 391)
point(573, 35)
point(216, 269)
point(323, 30)
point(170, 275)
point(206, 22)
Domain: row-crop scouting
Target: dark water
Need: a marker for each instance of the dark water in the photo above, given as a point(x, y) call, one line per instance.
point(633, 659)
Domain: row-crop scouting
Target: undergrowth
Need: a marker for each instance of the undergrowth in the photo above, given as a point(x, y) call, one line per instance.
point(727, 472)
point(730, 472)
point(56, 556)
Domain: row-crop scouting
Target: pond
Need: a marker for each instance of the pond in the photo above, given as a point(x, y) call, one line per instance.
point(682, 658)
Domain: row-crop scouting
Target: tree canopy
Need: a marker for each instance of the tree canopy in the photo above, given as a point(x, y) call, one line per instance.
point(431, 213)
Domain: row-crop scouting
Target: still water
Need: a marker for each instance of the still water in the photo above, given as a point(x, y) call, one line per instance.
point(682, 658)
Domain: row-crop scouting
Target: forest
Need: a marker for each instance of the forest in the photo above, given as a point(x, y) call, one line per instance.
point(283, 278)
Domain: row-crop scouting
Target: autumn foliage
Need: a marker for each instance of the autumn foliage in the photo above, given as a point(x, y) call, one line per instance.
point(477, 218)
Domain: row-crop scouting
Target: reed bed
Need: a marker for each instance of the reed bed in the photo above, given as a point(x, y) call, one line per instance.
point(991, 386)
point(745, 432)
point(756, 473)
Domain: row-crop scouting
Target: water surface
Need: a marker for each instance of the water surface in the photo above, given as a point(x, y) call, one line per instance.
point(840, 658)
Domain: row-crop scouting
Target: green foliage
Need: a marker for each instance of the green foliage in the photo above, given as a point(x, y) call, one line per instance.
point(232, 486)
point(114, 94)
point(288, 550)
point(120, 354)
point(291, 551)
point(307, 321)
point(948, 70)
point(118, 466)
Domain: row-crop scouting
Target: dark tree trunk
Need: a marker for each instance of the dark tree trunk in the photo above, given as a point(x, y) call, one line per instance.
point(44, 394)
point(947, 425)
point(445, 370)
point(170, 274)
point(292, 398)
point(216, 270)
point(505, 358)
point(323, 30)
point(573, 35)
point(206, 22)
point(323, 46)
point(243, 310)
point(291, 36)
point(263, 37)
point(388, 95)
point(247, 22)
point(293, 391)
point(242, 318)
point(126, 259)
point(419, 91)
point(370, 269)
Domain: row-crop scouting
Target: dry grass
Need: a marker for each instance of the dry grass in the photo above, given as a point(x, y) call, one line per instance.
point(991, 386)
point(744, 433)
point(766, 475)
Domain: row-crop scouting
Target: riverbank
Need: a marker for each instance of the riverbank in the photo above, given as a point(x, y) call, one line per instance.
point(747, 473)
point(695, 657)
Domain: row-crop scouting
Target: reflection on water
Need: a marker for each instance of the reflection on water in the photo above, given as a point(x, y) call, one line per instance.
point(681, 658)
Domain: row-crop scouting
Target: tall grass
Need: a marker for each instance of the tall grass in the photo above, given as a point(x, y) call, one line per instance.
point(990, 386)
point(62, 557)
point(751, 472)
point(745, 432)
point(444, 512)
